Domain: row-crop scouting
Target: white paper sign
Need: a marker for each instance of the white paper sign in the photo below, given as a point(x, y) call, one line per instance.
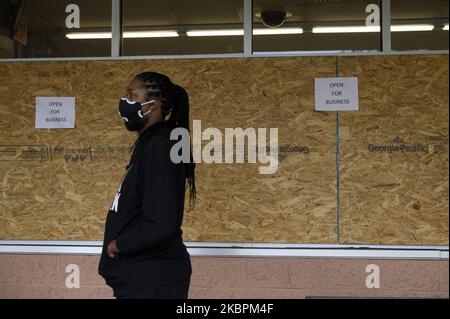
point(336, 94)
point(55, 112)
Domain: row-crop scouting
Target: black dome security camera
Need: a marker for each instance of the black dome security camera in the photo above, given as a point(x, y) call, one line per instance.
point(273, 19)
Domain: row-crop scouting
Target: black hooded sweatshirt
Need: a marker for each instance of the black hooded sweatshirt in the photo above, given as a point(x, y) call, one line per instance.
point(145, 218)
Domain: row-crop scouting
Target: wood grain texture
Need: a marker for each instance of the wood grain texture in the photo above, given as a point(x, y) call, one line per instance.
point(59, 183)
point(394, 151)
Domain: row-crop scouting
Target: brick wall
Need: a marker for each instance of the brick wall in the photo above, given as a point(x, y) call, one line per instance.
point(44, 276)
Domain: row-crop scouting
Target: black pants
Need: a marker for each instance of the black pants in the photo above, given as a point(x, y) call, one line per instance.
point(178, 290)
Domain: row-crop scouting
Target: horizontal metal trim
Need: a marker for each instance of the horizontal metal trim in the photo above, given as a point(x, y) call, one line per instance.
point(243, 249)
point(347, 53)
point(231, 245)
point(319, 253)
point(234, 55)
point(137, 57)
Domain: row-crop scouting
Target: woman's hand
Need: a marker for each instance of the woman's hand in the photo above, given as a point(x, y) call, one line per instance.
point(112, 250)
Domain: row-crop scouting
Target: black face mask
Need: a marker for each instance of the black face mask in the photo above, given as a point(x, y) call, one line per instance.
point(131, 113)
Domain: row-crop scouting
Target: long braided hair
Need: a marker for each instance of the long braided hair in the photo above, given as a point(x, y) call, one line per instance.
point(174, 101)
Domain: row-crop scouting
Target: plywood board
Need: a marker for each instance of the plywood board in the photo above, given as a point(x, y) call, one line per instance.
point(394, 152)
point(58, 184)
